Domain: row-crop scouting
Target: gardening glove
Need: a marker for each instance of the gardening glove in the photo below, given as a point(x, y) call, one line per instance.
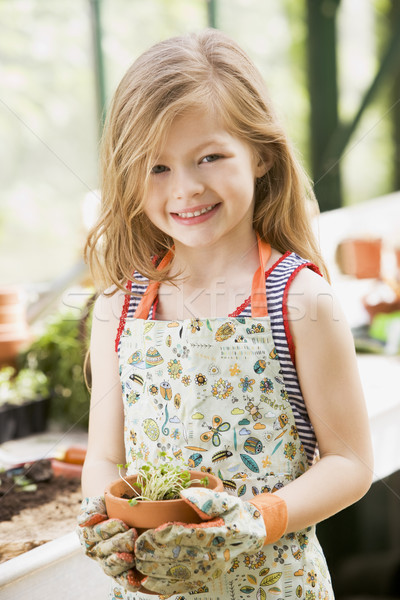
point(108, 541)
point(179, 557)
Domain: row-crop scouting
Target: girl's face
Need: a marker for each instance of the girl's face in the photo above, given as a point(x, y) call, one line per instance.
point(201, 189)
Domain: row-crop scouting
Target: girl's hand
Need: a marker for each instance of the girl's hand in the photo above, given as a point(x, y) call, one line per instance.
point(108, 541)
point(179, 557)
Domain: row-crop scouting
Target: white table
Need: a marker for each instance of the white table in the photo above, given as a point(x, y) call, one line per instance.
point(380, 376)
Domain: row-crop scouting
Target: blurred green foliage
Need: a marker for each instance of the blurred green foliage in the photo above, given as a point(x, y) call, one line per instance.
point(24, 386)
point(59, 352)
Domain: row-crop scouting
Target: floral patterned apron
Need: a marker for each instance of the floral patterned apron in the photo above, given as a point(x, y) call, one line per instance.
point(210, 393)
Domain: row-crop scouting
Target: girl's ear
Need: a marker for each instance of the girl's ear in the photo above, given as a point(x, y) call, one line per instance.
point(263, 165)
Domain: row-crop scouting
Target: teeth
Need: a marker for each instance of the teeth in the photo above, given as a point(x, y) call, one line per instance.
point(197, 213)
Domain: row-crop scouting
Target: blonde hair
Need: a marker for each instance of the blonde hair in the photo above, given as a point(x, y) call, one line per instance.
point(205, 69)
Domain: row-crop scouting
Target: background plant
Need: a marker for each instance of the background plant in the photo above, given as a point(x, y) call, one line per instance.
point(59, 353)
point(21, 387)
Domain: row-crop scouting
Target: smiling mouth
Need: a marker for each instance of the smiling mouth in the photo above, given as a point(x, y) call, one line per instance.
point(196, 213)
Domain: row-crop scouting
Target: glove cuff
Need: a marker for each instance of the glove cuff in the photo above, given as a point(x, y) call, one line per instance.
point(273, 510)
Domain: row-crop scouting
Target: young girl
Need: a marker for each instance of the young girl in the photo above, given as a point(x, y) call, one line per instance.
point(231, 350)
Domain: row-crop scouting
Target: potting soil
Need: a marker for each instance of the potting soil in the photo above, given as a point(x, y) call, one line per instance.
point(31, 518)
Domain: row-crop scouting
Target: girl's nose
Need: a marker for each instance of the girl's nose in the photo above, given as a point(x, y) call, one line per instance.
point(186, 184)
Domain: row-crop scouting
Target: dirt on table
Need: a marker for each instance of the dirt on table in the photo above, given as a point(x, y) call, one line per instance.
point(31, 518)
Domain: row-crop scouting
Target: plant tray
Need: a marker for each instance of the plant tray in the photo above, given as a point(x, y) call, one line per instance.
point(18, 421)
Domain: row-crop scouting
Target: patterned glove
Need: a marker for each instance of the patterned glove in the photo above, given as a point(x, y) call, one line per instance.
point(179, 557)
point(108, 541)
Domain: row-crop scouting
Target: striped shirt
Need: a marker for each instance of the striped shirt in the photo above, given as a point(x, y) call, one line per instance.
point(277, 280)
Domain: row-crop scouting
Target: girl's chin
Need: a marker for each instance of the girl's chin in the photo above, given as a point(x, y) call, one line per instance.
point(193, 242)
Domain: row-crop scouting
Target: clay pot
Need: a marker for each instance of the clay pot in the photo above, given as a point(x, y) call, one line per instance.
point(150, 514)
point(397, 253)
point(70, 463)
point(360, 258)
point(64, 469)
point(14, 331)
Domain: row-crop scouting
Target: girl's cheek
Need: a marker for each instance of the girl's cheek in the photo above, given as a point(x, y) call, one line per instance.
point(156, 187)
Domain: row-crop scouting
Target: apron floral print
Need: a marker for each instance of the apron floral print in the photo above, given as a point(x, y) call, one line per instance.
point(210, 392)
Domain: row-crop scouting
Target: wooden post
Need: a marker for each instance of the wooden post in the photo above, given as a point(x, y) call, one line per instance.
point(95, 12)
point(395, 97)
point(322, 72)
point(212, 13)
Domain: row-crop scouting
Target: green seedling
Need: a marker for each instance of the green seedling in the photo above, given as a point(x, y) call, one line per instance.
point(163, 481)
point(24, 484)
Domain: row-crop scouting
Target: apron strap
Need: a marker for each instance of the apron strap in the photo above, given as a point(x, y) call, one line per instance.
point(143, 309)
point(258, 294)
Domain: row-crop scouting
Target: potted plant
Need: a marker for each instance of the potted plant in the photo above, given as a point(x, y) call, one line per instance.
point(151, 497)
point(24, 401)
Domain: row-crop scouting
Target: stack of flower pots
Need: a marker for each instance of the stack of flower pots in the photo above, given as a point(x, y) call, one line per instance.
point(14, 331)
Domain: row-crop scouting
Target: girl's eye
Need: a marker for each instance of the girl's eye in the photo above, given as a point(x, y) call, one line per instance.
point(159, 169)
point(211, 158)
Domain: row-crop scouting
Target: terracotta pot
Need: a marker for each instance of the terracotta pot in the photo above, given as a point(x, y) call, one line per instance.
point(397, 254)
point(70, 462)
point(360, 258)
point(14, 330)
point(66, 469)
point(148, 515)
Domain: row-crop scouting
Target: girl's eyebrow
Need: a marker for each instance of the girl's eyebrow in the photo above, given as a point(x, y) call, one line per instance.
point(210, 142)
